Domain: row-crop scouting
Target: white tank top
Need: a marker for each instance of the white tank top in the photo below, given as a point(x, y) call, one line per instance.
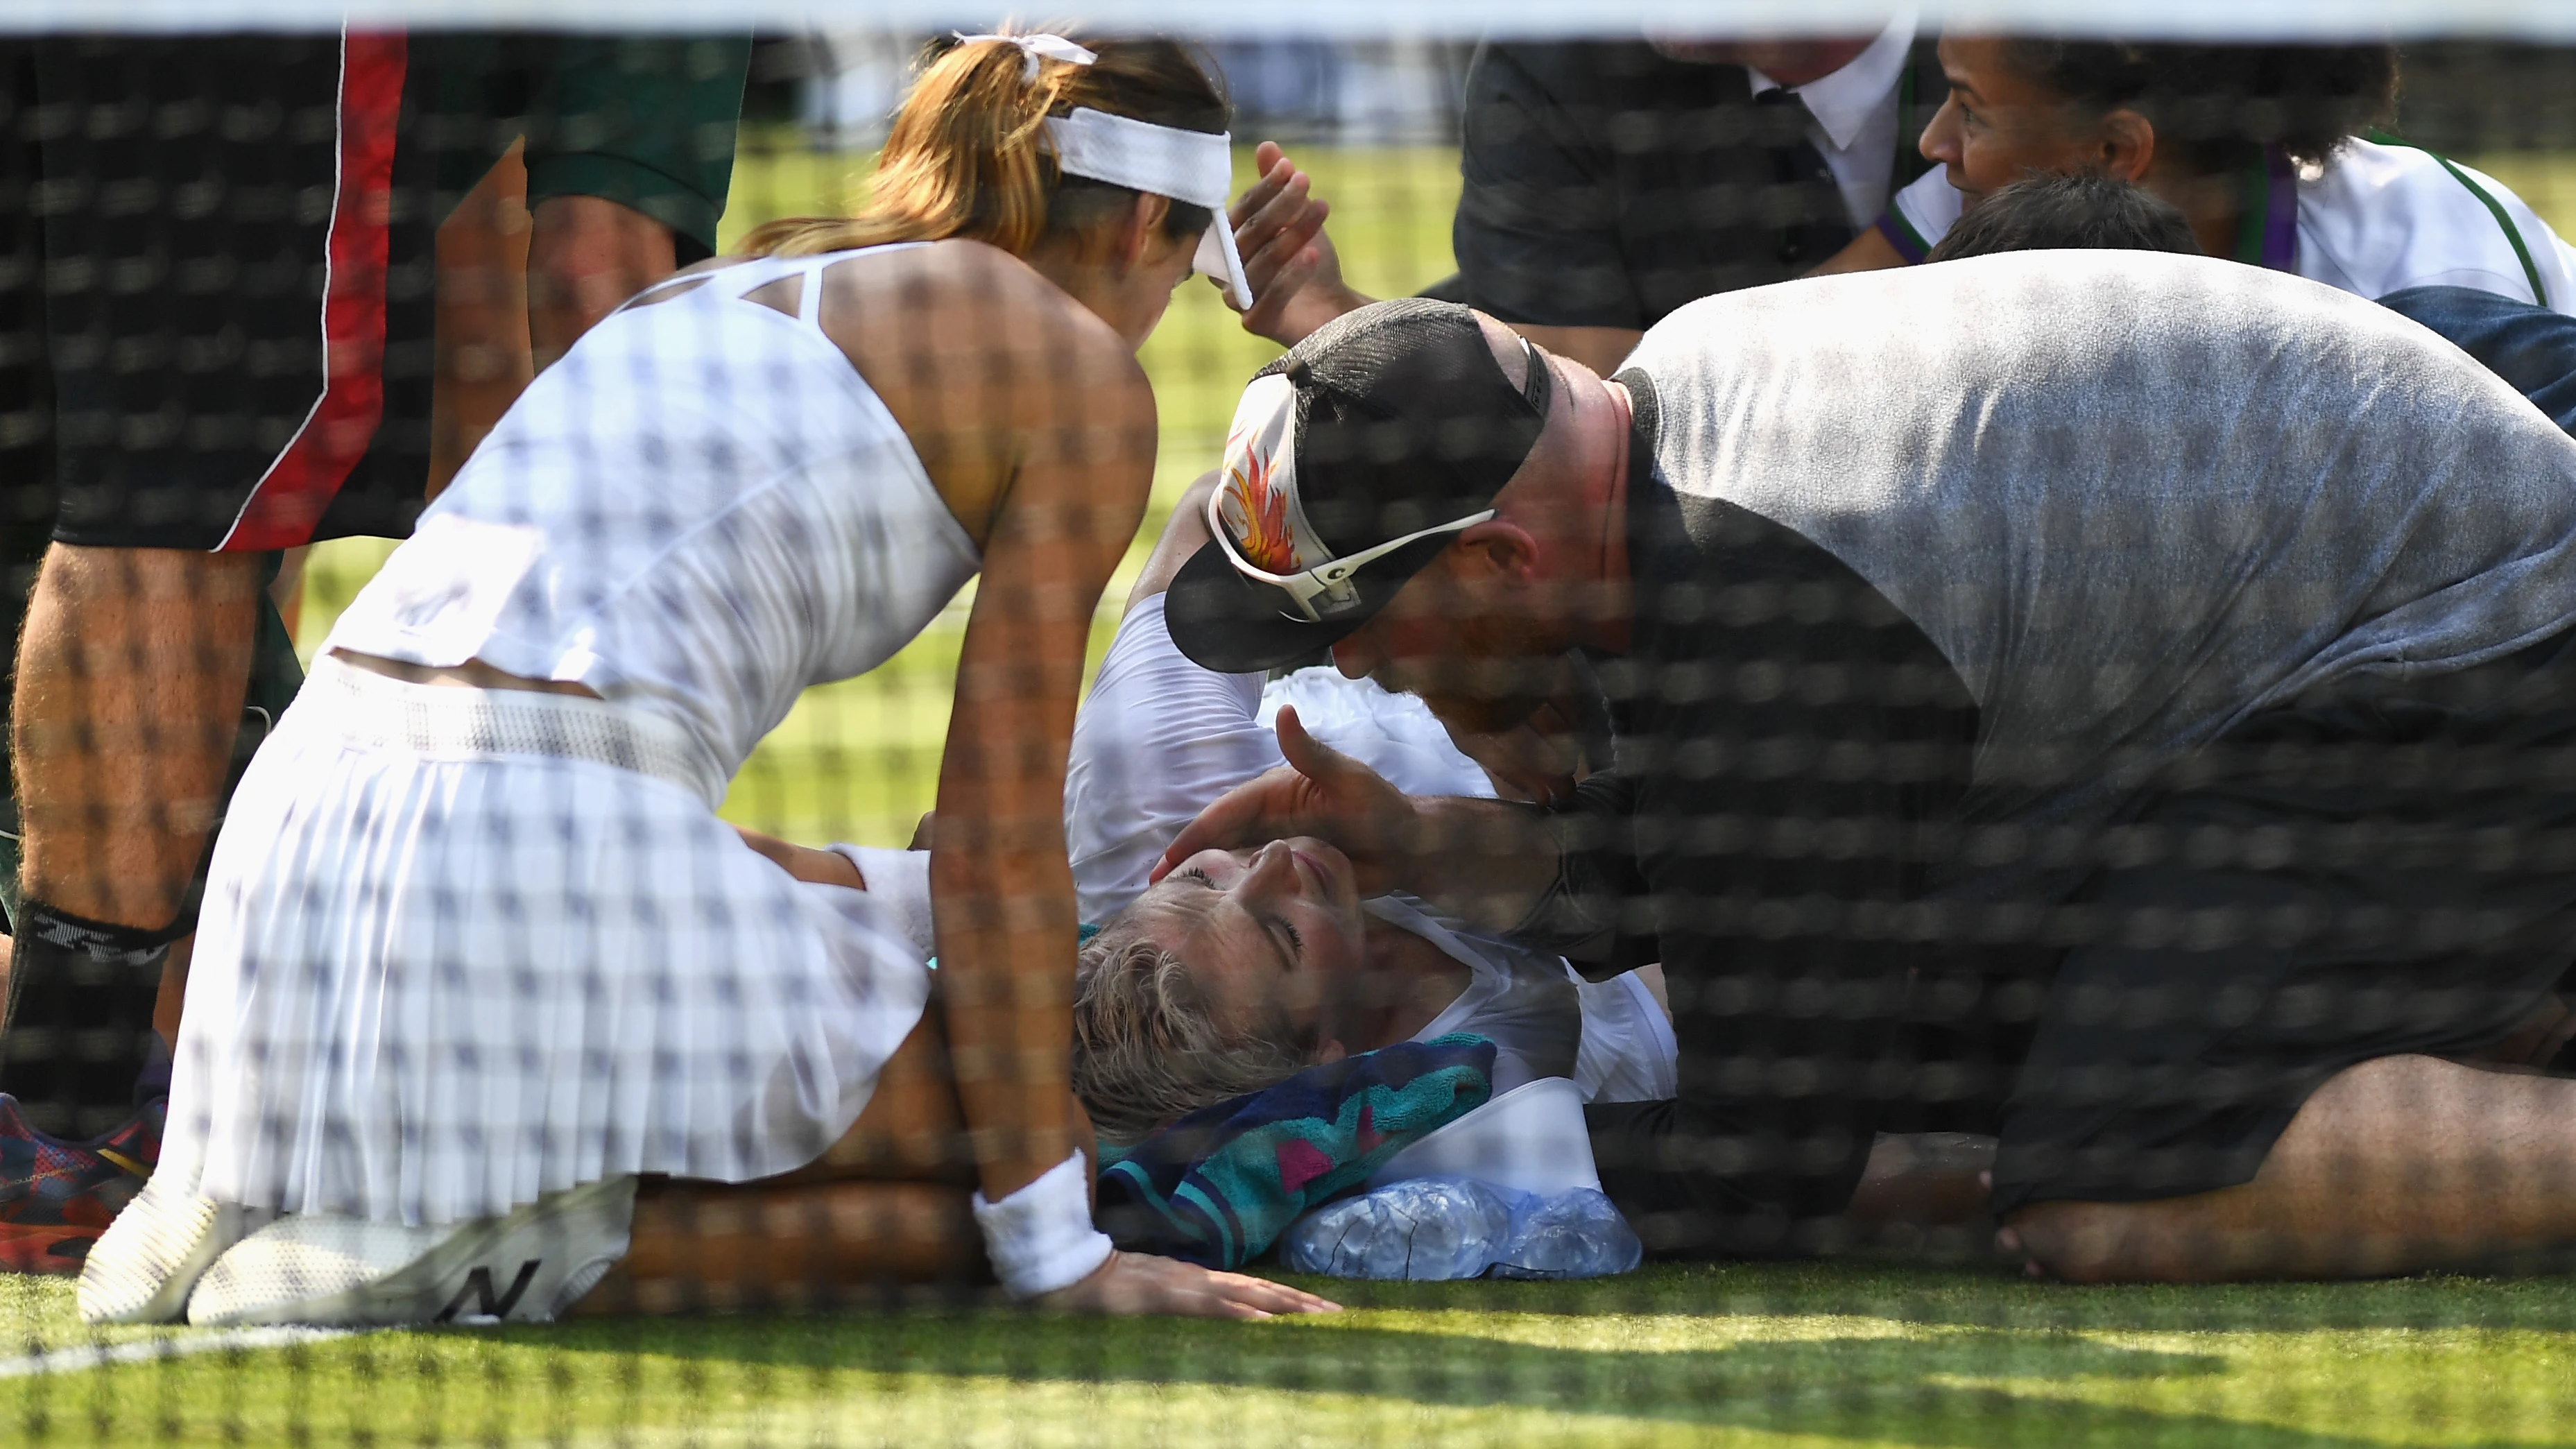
point(698, 512)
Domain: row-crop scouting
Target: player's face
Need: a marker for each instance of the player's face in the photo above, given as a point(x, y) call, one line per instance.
point(1273, 929)
point(1145, 293)
point(1999, 126)
point(1124, 270)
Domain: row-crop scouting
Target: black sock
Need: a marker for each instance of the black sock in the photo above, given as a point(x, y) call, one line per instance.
point(78, 1033)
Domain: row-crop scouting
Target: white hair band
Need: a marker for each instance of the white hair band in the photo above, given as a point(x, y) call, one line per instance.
point(1033, 47)
point(1192, 166)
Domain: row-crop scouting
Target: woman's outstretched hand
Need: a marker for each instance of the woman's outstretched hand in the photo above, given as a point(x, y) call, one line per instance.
point(1320, 792)
point(1132, 1283)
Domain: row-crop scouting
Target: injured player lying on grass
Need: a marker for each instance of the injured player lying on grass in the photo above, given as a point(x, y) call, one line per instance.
point(1243, 966)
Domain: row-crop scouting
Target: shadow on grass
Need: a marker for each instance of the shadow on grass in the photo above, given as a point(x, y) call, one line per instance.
point(1995, 1299)
point(1902, 1389)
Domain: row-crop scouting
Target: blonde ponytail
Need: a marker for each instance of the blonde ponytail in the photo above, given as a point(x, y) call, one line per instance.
point(965, 157)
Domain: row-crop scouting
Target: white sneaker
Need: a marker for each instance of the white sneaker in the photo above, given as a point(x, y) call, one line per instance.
point(317, 1268)
point(143, 1267)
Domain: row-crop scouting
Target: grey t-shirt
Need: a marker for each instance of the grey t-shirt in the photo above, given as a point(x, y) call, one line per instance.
point(2132, 498)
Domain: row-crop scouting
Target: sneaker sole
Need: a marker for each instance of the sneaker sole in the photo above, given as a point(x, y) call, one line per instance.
point(523, 1268)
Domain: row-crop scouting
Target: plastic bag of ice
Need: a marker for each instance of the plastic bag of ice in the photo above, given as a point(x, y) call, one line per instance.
point(1428, 1229)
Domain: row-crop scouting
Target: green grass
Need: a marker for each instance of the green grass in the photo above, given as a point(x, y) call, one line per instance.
point(1806, 1355)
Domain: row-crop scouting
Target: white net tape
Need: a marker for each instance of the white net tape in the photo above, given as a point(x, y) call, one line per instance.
point(2205, 19)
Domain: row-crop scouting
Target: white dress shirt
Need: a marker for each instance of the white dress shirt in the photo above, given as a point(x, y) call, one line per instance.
point(1852, 118)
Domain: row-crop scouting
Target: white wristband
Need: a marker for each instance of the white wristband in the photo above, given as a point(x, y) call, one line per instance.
point(1041, 1238)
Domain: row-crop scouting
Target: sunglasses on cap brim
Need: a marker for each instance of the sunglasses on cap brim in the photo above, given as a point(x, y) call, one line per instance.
point(1330, 581)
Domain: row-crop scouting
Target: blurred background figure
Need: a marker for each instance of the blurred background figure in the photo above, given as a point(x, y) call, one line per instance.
point(236, 265)
point(1608, 182)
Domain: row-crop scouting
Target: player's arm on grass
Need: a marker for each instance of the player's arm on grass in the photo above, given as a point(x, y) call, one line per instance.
point(1001, 891)
point(1044, 435)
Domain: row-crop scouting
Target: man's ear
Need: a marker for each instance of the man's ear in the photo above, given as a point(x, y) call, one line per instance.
point(1498, 548)
point(2127, 145)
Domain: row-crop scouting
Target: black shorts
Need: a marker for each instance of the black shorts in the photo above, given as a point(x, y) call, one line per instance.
point(216, 298)
point(2382, 867)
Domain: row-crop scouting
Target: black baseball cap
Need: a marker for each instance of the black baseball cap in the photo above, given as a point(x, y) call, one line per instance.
point(1352, 462)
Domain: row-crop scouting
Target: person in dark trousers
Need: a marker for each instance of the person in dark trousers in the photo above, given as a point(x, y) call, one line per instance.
point(2202, 631)
point(220, 311)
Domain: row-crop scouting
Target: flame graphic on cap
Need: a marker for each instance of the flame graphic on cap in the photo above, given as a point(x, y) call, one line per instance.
point(1260, 514)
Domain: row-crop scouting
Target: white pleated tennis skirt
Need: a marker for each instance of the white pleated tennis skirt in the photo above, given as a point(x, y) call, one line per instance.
point(452, 958)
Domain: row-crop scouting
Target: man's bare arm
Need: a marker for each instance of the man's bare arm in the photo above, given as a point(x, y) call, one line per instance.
point(1869, 252)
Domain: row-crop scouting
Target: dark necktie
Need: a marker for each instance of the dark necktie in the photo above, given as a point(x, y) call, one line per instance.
point(1812, 222)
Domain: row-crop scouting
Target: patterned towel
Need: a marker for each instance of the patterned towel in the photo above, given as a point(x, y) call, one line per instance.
point(1221, 1184)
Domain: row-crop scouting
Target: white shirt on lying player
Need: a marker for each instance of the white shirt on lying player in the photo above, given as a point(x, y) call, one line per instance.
point(2377, 219)
point(1160, 738)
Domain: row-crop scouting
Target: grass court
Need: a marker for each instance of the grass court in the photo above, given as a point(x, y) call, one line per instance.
point(1836, 1353)
point(1804, 1355)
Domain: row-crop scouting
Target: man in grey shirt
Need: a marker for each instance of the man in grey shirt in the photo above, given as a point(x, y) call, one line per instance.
point(2192, 636)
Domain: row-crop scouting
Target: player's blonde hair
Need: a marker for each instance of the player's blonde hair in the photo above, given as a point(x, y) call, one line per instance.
point(966, 159)
point(1147, 1047)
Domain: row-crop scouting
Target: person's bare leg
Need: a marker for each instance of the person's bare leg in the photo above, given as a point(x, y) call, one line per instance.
point(2397, 1165)
point(885, 1204)
point(700, 1246)
point(131, 675)
point(132, 669)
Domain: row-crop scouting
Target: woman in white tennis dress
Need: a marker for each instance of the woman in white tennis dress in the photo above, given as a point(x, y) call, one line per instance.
point(477, 952)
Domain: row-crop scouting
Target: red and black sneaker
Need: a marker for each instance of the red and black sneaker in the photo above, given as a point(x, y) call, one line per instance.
point(56, 1197)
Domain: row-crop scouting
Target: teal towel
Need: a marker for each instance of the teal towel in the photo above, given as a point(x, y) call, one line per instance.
point(1219, 1186)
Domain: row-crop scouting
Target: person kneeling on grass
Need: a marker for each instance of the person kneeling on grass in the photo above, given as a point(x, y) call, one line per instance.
point(477, 953)
point(1242, 966)
point(2206, 632)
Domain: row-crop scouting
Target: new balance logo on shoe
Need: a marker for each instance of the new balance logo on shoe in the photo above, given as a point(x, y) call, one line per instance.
point(478, 1285)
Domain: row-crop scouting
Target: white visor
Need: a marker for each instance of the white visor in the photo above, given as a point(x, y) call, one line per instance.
point(1191, 166)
